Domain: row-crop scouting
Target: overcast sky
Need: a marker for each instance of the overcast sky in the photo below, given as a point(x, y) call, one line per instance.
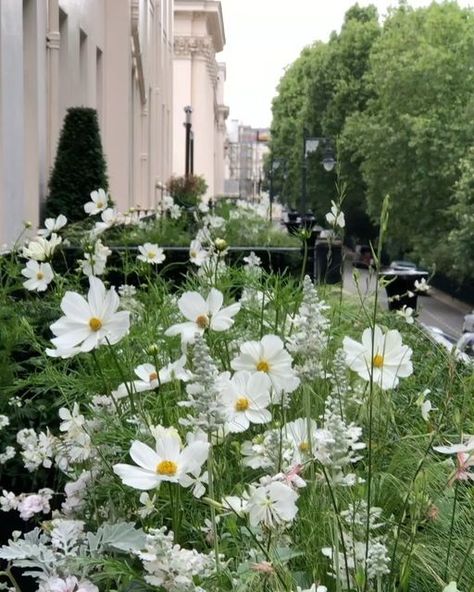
point(264, 36)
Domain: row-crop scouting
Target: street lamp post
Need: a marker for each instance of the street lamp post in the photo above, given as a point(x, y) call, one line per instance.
point(188, 157)
point(310, 145)
point(273, 167)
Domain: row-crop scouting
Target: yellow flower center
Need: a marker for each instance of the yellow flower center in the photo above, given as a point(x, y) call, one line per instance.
point(263, 366)
point(202, 321)
point(166, 467)
point(100, 204)
point(153, 376)
point(95, 324)
point(39, 275)
point(242, 404)
point(193, 253)
point(151, 254)
point(304, 447)
point(378, 361)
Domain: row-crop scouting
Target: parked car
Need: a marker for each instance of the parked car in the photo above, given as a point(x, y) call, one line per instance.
point(468, 324)
point(449, 342)
point(402, 265)
point(363, 257)
point(465, 344)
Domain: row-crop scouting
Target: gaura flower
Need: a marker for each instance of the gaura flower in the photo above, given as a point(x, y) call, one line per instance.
point(203, 314)
point(387, 359)
point(98, 203)
point(407, 313)
point(168, 462)
point(151, 253)
point(39, 275)
point(422, 285)
point(335, 217)
point(87, 324)
point(245, 398)
point(270, 357)
point(151, 378)
point(271, 504)
point(464, 459)
point(70, 584)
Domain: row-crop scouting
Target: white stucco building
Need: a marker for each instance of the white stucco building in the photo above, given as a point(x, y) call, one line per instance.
point(199, 82)
point(113, 55)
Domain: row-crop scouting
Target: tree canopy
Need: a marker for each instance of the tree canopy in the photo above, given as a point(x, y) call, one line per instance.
point(397, 100)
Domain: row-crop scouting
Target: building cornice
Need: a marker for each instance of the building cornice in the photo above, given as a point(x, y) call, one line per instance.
point(212, 10)
point(187, 46)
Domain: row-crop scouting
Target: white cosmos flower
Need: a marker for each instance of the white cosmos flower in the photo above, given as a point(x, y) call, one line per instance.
point(268, 356)
point(335, 217)
point(271, 504)
point(387, 358)
point(168, 462)
point(53, 225)
point(151, 253)
point(245, 398)
point(203, 314)
point(87, 324)
point(197, 254)
point(306, 445)
point(40, 248)
point(151, 378)
point(39, 275)
point(314, 588)
point(98, 203)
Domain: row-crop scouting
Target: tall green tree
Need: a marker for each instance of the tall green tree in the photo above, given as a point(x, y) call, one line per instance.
point(316, 94)
point(288, 109)
point(419, 125)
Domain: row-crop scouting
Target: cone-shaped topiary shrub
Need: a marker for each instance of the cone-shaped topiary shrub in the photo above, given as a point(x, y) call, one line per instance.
point(79, 167)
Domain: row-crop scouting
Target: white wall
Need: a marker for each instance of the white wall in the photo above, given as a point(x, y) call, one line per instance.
point(56, 54)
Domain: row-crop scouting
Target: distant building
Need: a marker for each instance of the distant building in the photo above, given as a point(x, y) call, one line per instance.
point(245, 151)
point(113, 55)
point(199, 82)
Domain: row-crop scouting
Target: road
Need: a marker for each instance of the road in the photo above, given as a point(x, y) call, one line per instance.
point(437, 309)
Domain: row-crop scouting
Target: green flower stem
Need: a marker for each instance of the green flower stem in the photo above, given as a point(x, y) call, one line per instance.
point(104, 381)
point(341, 532)
point(383, 228)
point(305, 258)
point(210, 475)
point(451, 528)
point(113, 355)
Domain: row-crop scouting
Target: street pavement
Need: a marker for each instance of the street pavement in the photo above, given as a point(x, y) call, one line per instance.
point(438, 309)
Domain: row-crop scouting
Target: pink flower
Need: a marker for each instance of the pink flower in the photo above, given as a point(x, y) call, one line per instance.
point(464, 460)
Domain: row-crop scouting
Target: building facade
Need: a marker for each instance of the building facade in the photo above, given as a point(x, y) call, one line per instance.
point(199, 83)
point(113, 55)
point(246, 148)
